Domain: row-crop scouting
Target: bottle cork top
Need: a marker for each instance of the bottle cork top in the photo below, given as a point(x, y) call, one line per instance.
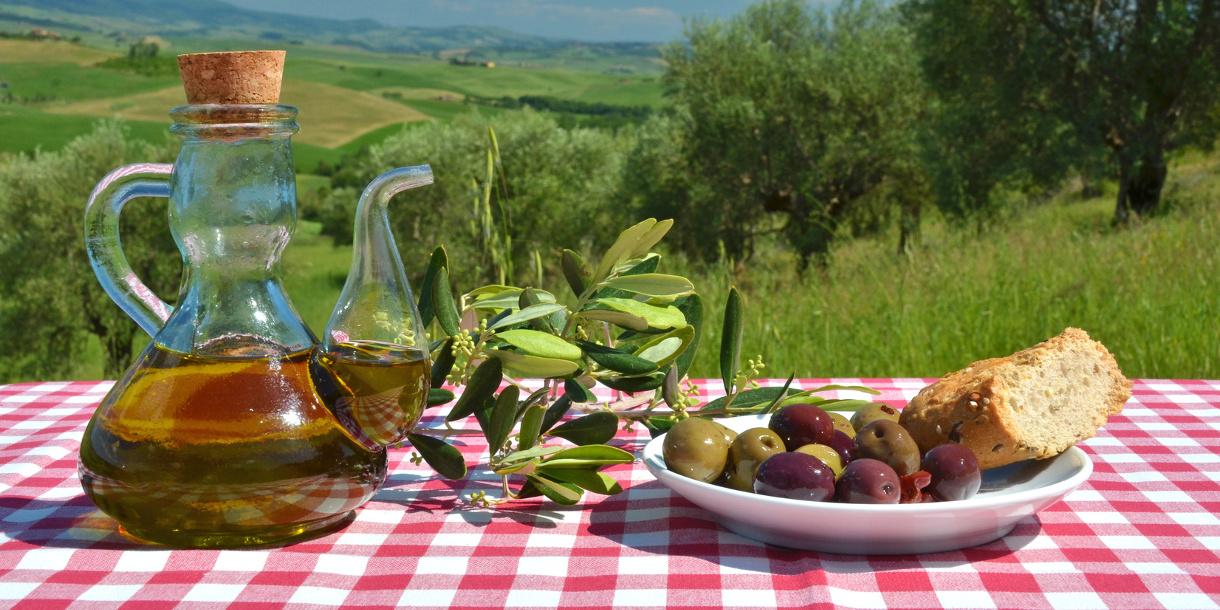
point(232, 77)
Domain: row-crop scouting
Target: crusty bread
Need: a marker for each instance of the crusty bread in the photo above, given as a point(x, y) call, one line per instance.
point(1033, 404)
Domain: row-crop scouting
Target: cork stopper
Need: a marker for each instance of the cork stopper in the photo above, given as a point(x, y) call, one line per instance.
point(236, 77)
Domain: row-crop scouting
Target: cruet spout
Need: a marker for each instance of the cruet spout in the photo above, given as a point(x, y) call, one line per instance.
point(373, 350)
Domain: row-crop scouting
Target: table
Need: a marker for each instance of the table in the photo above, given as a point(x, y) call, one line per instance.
point(1141, 533)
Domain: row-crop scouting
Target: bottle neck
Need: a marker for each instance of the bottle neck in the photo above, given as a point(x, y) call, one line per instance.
point(232, 212)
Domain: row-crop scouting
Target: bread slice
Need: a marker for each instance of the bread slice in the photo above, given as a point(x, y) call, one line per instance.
point(1033, 404)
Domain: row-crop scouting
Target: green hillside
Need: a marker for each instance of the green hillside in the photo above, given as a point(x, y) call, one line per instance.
point(54, 90)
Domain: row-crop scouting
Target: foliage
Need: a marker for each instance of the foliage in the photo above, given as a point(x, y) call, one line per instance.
point(1027, 88)
point(626, 330)
point(560, 182)
point(791, 122)
point(49, 298)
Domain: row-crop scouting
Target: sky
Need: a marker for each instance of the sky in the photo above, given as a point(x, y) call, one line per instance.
point(590, 20)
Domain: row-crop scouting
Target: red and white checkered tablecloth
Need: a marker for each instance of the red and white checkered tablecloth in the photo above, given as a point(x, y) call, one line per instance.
point(1143, 532)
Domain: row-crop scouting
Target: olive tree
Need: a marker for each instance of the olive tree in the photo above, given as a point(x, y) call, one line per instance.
point(50, 301)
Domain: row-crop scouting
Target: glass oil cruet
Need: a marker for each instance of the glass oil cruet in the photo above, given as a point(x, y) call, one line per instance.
point(235, 426)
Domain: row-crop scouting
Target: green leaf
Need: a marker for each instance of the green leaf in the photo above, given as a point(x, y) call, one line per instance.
point(730, 340)
point(442, 302)
point(506, 299)
point(577, 392)
point(633, 384)
point(670, 390)
point(622, 248)
point(834, 386)
point(503, 416)
point(617, 318)
point(589, 455)
point(534, 397)
point(525, 455)
point(557, 491)
point(659, 425)
point(656, 317)
point(647, 265)
point(531, 425)
point(550, 323)
point(653, 284)
point(651, 238)
point(441, 456)
point(443, 365)
point(783, 390)
point(438, 396)
point(749, 398)
point(576, 271)
point(482, 385)
point(439, 260)
point(691, 307)
point(555, 412)
point(540, 344)
point(528, 490)
point(529, 313)
point(523, 365)
point(617, 360)
point(483, 292)
point(589, 480)
point(591, 429)
point(664, 349)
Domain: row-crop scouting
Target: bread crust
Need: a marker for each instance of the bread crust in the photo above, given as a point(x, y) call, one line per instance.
point(975, 401)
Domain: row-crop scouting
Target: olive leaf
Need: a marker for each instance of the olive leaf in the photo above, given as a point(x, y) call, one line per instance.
point(576, 271)
point(525, 455)
point(616, 360)
point(633, 384)
point(438, 396)
point(441, 456)
point(666, 348)
point(482, 385)
point(557, 491)
point(659, 425)
point(622, 248)
point(691, 307)
point(577, 392)
point(591, 429)
point(503, 416)
point(443, 364)
point(524, 365)
point(779, 396)
point(653, 284)
point(505, 299)
point(749, 398)
point(537, 343)
point(589, 480)
point(588, 455)
point(618, 318)
point(730, 340)
point(550, 323)
point(439, 260)
point(531, 425)
point(529, 313)
point(442, 302)
point(656, 317)
point(671, 393)
point(651, 238)
point(555, 412)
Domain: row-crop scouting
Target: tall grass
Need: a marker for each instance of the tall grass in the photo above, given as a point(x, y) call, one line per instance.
point(1149, 292)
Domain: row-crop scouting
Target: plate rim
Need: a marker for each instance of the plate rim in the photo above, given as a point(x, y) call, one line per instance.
point(655, 463)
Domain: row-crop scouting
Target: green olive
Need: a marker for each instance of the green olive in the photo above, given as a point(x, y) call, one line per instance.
point(729, 433)
point(842, 424)
point(696, 448)
point(891, 443)
point(748, 450)
point(827, 454)
point(872, 413)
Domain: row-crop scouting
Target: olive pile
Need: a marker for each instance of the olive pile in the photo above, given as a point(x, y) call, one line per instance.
point(807, 453)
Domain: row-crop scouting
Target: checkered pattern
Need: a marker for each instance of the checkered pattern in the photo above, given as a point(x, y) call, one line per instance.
point(1143, 532)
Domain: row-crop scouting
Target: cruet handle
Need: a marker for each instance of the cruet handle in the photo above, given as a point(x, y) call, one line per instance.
point(105, 249)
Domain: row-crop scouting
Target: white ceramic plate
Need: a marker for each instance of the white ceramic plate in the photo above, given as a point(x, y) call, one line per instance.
point(1009, 494)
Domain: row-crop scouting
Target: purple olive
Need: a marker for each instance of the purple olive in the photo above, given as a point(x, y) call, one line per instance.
point(868, 481)
point(800, 425)
point(845, 445)
point(955, 472)
point(795, 475)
